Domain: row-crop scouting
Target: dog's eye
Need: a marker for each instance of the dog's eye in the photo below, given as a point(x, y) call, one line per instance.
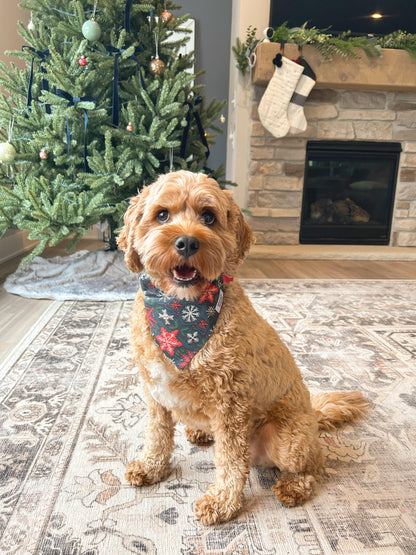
point(208, 217)
point(162, 216)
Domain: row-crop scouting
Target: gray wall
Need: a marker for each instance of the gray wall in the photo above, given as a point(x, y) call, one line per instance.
point(212, 54)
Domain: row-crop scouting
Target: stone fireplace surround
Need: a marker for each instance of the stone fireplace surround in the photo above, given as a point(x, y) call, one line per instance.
point(276, 166)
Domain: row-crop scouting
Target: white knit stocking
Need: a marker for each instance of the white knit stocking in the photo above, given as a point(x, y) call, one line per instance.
point(275, 101)
point(295, 113)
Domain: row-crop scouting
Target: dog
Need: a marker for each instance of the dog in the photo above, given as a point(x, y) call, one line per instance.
point(240, 388)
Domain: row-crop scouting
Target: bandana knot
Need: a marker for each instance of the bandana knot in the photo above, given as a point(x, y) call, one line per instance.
point(180, 327)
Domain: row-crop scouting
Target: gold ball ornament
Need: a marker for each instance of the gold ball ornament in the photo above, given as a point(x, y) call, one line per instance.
point(157, 67)
point(43, 155)
point(129, 127)
point(7, 152)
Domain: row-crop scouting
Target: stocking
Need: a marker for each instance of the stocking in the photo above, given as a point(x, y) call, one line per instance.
point(295, 113)
point(275, 101)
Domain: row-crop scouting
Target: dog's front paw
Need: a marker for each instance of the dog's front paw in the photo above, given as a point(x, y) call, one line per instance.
point(214, 508)
point(293, 489)
point(145, 472)
point(198, 437)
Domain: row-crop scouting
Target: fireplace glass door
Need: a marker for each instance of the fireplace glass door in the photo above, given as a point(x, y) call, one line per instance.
point(348, 192)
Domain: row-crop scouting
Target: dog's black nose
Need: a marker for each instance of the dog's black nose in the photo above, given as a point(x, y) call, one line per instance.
point(186, 245)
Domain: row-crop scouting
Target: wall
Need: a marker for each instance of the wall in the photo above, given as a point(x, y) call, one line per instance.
point(14, 241)
point(212, 54)
point(245, 13)
point(9, 39)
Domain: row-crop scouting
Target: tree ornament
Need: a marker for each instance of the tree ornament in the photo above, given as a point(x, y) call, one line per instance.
point(129, 127)
point(184, 123)
point(222, 118)
point(31, 25)
point(43, 155)
point(166, 16)
point(82, 61)
point(7, 152)
point(91, 30)
point(157, 66)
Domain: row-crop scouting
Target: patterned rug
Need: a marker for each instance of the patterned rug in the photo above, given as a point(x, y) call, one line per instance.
point(72, 415)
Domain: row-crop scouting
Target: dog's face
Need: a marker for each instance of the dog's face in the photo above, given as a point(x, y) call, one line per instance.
point(184, 231)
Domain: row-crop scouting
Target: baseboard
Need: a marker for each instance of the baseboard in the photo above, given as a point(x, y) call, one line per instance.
point(15, 243)
point(332, 252)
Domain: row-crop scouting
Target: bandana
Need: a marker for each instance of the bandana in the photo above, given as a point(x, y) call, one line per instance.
point(180, 327)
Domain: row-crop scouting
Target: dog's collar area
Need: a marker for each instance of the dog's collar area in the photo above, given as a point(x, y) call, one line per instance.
point(181, 327)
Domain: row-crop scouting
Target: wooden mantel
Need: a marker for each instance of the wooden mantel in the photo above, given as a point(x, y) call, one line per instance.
point(395, 70)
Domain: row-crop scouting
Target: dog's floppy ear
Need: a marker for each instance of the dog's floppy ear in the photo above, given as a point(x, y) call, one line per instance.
point(244, 237)
point(125, 239)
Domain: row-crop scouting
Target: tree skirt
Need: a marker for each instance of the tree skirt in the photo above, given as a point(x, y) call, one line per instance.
point(85, 275)
point(72, 414)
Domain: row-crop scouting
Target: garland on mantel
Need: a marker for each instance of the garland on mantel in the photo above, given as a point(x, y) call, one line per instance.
point(326, 44)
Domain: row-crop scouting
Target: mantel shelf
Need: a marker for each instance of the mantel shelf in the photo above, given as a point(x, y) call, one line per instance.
point(394, 71)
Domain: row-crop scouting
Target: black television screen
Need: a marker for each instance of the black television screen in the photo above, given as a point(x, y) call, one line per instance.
point(346, 15)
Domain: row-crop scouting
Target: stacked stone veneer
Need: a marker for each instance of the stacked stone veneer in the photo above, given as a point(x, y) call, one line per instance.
point(276, 169)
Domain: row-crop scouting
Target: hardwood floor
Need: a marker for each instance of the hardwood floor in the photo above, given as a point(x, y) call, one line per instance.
point(328, 269)
point(17, 314)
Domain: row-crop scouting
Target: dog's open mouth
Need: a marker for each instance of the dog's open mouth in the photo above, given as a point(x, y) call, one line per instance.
point(185, 275)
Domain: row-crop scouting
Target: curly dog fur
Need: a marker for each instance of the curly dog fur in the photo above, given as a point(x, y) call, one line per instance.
point(243, 389)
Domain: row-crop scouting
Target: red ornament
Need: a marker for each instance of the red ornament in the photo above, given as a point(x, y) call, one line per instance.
point(82, 61)
point(129, 127)
point(43, 155)
point(166, 15)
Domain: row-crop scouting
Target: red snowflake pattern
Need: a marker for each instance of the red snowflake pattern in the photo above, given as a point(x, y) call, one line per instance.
point(186, 359)
point(203, 324)
point(208, 293)
point(150, 315)
point(168, 341)
point(176, 305)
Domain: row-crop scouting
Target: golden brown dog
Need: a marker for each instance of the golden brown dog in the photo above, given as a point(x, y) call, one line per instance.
point(242, 388)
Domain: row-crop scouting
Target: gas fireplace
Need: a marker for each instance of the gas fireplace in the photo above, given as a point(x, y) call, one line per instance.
point(348, 192)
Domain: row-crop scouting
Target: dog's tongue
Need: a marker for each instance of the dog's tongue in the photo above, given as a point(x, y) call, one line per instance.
point(184, 272)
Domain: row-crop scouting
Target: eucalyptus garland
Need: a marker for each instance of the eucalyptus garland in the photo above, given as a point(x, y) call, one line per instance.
point(327, 44)
point(399, 39)
point(243, 50)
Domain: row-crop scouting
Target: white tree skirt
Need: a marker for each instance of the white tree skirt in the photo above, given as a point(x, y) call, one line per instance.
point(85, 275)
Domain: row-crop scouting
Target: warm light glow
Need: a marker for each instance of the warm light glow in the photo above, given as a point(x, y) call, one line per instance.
point(376, 15)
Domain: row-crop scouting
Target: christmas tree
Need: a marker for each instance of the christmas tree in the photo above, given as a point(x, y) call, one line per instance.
point(106, 103)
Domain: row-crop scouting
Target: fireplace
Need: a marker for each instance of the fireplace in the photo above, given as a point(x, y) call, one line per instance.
point(348, 192)
point(353, 101)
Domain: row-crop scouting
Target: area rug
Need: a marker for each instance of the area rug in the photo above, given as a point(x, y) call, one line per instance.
point(72, 415)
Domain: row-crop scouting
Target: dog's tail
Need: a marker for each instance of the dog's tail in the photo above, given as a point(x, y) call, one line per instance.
point(333, 409)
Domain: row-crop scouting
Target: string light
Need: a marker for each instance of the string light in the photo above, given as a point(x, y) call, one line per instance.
point(376, 15)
